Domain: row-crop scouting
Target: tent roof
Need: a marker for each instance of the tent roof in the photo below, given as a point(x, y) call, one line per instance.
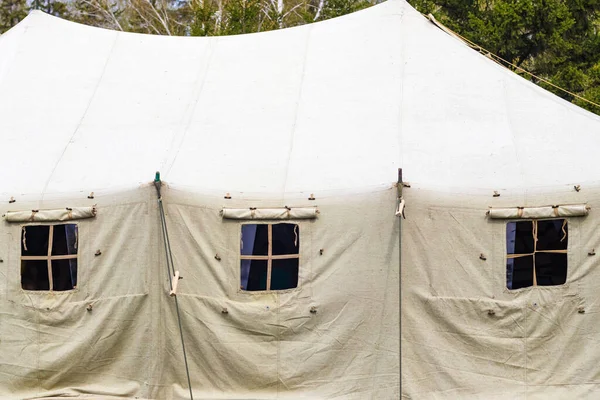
point(332, 106)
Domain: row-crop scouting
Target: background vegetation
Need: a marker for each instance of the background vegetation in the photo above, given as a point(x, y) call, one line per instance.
point(556, 40)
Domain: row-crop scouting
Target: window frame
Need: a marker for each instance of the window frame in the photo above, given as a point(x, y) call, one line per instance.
point(269, 257)
point(535, 251)
point(49, 257)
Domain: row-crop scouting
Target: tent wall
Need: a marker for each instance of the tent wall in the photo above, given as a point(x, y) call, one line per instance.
point(266, 346)
point(271, 345)
point(51, 344)
point(334, 107)
point(464, 334)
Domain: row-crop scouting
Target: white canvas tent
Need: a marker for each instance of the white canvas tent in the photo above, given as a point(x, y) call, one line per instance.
point(315, 117)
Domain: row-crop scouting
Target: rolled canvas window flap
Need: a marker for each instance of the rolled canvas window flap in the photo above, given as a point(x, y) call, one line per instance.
point(270, 213)
point(64, 214)
point(571, 210)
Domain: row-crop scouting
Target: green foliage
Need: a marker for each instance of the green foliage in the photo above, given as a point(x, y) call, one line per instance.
point(206, 20)
point(184, 17)
point(241, 17)
point(52, 7)
point(337, 8)
point(233, 17)
point(227, 17)
point(11, 12)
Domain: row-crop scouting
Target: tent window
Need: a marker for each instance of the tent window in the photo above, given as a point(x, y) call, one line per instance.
point(536, 253)
point(269, 256)
point(49, 257)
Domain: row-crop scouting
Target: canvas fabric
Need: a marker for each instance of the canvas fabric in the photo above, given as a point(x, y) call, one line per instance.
point(336, 106)
point(270, 213)
point(328, 111)
point(569, 210)
point(464, 334)
point(65, 214)
point(117, 334)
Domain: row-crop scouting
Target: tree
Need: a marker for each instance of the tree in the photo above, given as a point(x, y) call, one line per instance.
point(101, 13)
point(184, 17)
point(52, 7)
point(232, 17)
point(11, 12)
point(336, 8)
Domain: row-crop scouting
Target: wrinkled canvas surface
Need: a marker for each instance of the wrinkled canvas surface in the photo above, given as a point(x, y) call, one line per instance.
point(65, 214)
point(331, 109)
point(270, 213)
point(569, 210)
point(268, 346)
point(464, 334)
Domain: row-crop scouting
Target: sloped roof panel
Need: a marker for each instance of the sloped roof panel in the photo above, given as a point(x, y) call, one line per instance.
point(332, 106)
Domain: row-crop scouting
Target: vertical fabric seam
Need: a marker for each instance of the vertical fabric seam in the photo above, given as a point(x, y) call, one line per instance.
point(190, 111)
point(297, 108)
point(87, 108)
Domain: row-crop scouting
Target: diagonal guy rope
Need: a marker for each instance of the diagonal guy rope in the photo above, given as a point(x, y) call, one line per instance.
point(495, 57)
point(170, 273)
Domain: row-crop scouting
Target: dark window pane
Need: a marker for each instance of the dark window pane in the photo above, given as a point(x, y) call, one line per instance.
point(522, 272)
point(64, 276)
point(257, 274)
point(255, 240)
point(284, 274)
point(59, 241)
point(34, 240)
point(34, 275)
point(286, 239)
point(64, 241)
point(551, 268)
point(510, 265)
point(519, 237)
point(72, 238)
point(244, 274)
point(551, 235)
point(73, 271)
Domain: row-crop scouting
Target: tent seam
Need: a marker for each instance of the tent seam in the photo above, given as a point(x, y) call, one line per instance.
point(168, 165)
point(402, 92)
point(512, 131)
point(81, 119)
point(297, 108)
